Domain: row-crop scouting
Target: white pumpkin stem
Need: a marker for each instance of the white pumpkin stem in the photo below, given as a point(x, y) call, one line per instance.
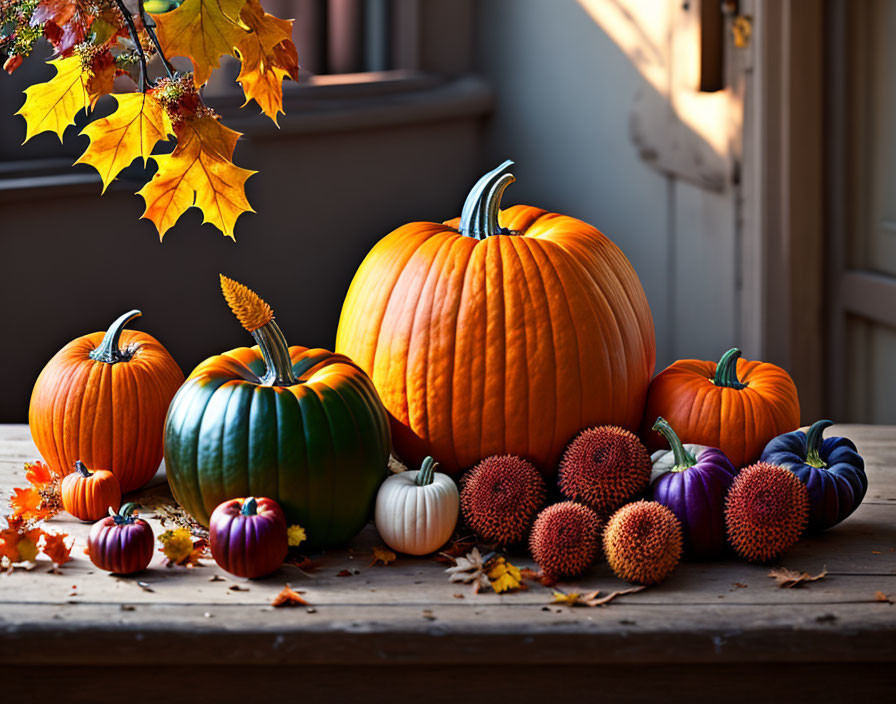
point(425, 475)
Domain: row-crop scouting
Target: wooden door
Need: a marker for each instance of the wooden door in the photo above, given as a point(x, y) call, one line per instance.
point(862, 197)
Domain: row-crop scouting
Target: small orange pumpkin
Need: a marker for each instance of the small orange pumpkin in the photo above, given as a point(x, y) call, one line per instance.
point(102, 399)
point(736, 405)
point(89, 495)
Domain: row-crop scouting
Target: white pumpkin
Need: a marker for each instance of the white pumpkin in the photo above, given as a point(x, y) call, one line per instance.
point(416, 511)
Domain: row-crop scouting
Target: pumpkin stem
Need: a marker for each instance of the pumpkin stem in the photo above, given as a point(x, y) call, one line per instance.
point(81, 469)
point(257, 318)
point(125, 513)
point(108, 350)
point(683, 458)
point(814, 441)
point(424, 476)
point(275, 352)
point(726, 370)
point(250, 507)
point(479, 217)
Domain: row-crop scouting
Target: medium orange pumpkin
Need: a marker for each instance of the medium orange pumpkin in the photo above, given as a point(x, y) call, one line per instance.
point(499, 332)
point(735, 405)
point(102, 399)
point(89, 495)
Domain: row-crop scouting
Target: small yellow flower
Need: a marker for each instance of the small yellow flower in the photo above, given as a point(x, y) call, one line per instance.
point(296, 535)
point(177, 544)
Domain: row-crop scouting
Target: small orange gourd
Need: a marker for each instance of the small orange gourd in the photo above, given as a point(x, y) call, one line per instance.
point(89, 495)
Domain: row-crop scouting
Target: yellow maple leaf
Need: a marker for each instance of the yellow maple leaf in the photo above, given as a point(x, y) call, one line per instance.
point(202, 31)
point(52, 106)
point(198, 172)
point(382, 554)
point(504, 576)
point(295, 535)
point(177, 544)
point(268, 56)
point(131, 131)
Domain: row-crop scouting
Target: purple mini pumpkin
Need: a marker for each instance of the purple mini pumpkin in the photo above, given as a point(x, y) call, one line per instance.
point(692, 481)
point(248, 537)
point(120, 542)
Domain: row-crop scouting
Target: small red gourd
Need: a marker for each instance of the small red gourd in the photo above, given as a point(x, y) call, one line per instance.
point(89, 495)
point(121, 543)
point(248, 537)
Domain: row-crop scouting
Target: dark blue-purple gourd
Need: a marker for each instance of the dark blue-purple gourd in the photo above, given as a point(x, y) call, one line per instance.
point(831, 468)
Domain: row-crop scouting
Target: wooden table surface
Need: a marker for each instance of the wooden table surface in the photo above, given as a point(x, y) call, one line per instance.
point(388, 630)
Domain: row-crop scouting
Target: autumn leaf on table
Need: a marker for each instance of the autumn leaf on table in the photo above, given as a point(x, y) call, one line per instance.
point(504, 576)
point(202, 31)
point(137, 125)
point(55, 546)
point(199, 172)
point(788, 579)
point(289, 597)
point(180, 548)
point(268, 56)
point(41, 500)
point(590, 599)
point(295, 536)
point(382, 554)
point(18, 541)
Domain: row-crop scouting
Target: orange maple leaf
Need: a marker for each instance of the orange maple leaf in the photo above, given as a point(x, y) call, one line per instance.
point(137, 124)
point(54, 546)
point(38, 472)
point(18, 542)
point(288, 597)
point(199, 172)
point(268, 56)
point(25, 503)
point(202, 31)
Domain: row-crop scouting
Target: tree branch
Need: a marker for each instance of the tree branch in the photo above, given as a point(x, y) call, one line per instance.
point(150, 26)
point(135, 37)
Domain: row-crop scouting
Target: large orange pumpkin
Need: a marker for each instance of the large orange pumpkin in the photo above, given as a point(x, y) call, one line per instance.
point(102, 399)
point(499, 332)
point(735, 405)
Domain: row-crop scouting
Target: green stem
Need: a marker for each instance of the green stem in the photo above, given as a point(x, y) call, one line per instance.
point(275, 351)
point(81, 469)
point(683, 458)
point(108, 350)
point(250, 507)
point(424, 476)
point(814, 441)
point(726, 371)
point(125, 513)
point(479, 217)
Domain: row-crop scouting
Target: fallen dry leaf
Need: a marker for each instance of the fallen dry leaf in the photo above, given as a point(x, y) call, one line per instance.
point(237, 588)
point(56, 547)
point(382, 554)
point(590, 599)
point(504, 576)
point(181, 548)
point(788, 579)
point(880, 596)
point(289, 597)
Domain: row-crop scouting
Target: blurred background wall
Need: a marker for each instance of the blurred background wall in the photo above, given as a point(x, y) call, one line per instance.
point(684, 133)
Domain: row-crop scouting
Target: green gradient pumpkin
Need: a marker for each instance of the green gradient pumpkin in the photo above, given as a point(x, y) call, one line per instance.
point(304, 427)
